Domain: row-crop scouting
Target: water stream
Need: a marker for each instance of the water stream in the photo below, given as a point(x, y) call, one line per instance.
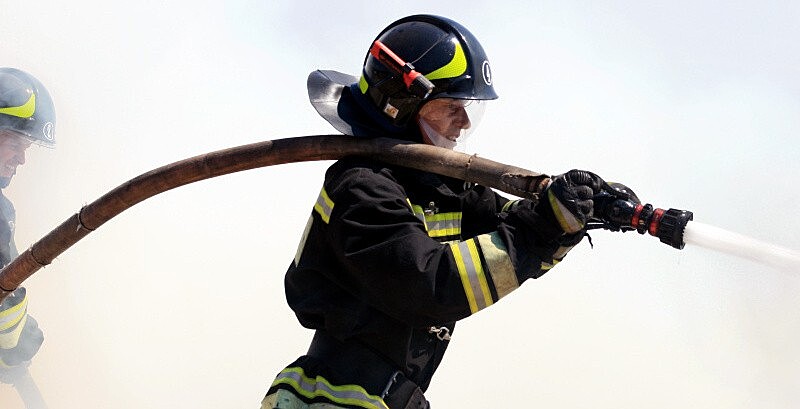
point(735, 244)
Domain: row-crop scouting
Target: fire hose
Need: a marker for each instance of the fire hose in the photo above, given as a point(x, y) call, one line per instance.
point(620, 213)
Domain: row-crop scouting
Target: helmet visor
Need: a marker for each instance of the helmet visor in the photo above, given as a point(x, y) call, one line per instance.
point(447, 122)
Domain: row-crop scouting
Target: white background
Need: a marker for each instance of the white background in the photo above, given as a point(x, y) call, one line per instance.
point(178, 302)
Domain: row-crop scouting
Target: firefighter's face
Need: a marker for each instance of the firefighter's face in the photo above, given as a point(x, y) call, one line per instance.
point(12, 154)
point(444, 122)
point(446, 116)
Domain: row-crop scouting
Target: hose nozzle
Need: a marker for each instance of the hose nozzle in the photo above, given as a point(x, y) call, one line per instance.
point(667, 225)
point(620, 212)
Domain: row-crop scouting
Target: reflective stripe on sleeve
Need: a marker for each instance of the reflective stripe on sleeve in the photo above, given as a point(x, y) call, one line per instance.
point(12, 321)
point(303, 239)
point(557, 257)
point(13, 315)
point(498, 262)
point(509, 205)
point(311, 388)
point(324, 206)
point(472, 275)
point(565, 218)
point(10, 339)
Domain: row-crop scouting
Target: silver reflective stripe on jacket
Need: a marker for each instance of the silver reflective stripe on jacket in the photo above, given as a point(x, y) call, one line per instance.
point(324, 206)
point(438, 224)
point(311, 388)
point(473, 278)
point(476, 274)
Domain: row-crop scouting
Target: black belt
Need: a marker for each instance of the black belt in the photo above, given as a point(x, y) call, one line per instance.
point(351, 360)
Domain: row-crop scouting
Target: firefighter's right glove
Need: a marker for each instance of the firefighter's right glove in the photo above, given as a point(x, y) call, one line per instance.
point(568, 199)
point(20, 336)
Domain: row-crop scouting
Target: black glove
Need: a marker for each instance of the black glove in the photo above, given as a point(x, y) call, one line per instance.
point(568, 199)
point(623, 192)
point(20, 336)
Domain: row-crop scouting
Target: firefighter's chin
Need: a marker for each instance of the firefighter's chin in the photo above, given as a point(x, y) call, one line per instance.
point(435, 138)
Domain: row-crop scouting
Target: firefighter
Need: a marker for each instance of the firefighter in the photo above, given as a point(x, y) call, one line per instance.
point(27, 116)
point(391, 258)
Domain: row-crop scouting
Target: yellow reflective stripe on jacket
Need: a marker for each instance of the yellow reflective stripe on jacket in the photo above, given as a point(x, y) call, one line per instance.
point(509, 205)
point(324, 206)
point(444, 224)
point(419, 212)
point(473, 279)
point(303, 239)
point(353, 395)
point(559, 255)
point(286, 399)
point(10, 339)
point(499, 264)
point(12, 321)
point(13, 315)
point(438, 224)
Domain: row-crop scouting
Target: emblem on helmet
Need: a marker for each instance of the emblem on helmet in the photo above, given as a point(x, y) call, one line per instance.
point(487, 72)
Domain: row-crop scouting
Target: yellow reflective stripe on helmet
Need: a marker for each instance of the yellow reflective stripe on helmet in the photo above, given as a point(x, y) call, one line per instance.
point(353, 395)
point(456, 66)
point(363, 85)
point(25, 110)
point(498, 262)
point(473, 279)
point(13, 315)
point(324, 206)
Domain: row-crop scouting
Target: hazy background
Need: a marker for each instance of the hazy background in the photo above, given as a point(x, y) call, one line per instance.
point(178, 302)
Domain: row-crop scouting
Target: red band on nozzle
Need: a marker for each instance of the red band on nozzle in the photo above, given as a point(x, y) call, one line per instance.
point(657, 215)
point(636, 214)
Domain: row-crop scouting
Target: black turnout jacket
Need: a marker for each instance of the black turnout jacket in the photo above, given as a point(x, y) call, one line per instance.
point(392, 257)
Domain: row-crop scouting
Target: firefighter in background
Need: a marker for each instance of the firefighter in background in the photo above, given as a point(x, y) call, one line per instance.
point(392, 257)
point(27, 116)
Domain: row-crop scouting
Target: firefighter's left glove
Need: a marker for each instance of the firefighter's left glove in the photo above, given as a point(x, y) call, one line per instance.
point(568, 198)
point(20, 336)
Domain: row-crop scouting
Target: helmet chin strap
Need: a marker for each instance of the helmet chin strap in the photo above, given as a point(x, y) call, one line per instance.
point(434, 137)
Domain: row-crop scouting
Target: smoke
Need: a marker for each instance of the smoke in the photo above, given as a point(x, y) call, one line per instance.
point(178, 302)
